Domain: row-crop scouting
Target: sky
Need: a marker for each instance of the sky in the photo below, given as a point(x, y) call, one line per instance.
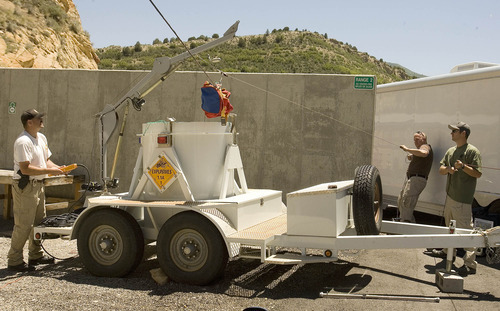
point(429, 37)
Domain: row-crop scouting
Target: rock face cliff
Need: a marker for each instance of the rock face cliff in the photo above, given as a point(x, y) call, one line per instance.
point(43, 34)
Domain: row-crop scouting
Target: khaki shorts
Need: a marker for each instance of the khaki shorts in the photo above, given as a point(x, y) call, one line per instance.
point(462, 214)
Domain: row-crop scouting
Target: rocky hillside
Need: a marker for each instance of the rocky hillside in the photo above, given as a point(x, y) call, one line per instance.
point(43, 34)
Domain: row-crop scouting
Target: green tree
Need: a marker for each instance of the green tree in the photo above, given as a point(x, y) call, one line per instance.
point(138, 47)
point(242, 43)
point(156, 41)
point(127, 51)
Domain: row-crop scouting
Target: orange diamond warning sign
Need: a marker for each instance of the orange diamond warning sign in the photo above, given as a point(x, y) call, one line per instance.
point(162, 172)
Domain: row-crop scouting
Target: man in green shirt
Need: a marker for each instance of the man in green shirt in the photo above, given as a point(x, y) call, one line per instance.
point(462, 166)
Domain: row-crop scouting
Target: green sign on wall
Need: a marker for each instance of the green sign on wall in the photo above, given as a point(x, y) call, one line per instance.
point(363, 83)
point(12, 107)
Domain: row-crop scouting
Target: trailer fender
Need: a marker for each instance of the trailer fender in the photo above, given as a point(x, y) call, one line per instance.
point(224, 227)
point(220, 222)
point(81, 219)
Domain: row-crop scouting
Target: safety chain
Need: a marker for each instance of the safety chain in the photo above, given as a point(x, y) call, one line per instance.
point(492, 253)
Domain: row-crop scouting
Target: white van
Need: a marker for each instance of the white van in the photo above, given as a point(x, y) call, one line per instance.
point(429, 105)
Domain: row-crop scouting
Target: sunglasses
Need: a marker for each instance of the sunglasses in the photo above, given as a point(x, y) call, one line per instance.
point(455, 131)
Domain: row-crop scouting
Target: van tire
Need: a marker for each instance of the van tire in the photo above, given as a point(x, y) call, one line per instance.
point(367, 200)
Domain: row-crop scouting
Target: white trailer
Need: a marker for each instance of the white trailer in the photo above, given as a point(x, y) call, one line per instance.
point(429, 105)
point(189, 194)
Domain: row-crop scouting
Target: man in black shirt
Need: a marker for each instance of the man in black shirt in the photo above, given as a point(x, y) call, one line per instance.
point(416, 175)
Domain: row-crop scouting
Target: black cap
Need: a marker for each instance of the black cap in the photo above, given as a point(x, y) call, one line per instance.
point(461, 126)
point(31, 114)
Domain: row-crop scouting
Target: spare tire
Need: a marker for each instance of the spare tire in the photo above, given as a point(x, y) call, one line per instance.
point(367, 200)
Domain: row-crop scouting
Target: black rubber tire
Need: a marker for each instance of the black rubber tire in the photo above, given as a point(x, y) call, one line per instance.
point(191, 250)
point(110, 243)
point(367, 200)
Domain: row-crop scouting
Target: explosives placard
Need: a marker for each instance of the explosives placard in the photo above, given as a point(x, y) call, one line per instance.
point(162, 173)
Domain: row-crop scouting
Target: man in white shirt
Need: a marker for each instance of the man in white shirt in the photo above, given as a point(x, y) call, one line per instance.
point(31, 165)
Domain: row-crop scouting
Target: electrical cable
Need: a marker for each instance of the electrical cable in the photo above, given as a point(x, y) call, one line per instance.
point(55, 257)
point(325, 115)
point(82, 197)
point(66, 218)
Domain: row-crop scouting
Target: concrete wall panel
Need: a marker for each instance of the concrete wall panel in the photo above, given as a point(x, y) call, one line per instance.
point(295, 130)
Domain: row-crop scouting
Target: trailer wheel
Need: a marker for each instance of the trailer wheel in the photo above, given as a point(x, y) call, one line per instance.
point(110, 243)
point(191, 250)
point(367, 200)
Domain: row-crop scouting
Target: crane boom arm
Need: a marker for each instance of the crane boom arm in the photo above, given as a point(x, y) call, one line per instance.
point(162, 68)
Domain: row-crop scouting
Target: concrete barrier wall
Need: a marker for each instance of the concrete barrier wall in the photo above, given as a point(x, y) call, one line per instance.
point(296, 130)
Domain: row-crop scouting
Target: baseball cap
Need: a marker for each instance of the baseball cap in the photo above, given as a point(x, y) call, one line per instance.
point(31, 114)
point(461, 126)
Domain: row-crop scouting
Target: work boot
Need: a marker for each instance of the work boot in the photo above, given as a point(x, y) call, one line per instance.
point(440, 254)
point(465, 271)
point(41, 261)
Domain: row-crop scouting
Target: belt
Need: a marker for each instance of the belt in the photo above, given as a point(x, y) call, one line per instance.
point(31, 180)
point(416, 175)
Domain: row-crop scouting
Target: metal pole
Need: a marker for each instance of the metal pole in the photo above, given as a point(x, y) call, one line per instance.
point(118, 145)
point(451, 251)
point(386, 297)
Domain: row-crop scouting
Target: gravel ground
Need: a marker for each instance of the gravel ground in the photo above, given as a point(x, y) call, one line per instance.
point(67, 285)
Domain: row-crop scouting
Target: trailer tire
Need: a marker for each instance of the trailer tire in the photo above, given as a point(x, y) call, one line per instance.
point(191, 250)
point(367, 200)
point(110, 243)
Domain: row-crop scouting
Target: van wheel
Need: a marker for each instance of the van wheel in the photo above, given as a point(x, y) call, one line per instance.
point(191, 250)
point(367, 200)
point(110, 243)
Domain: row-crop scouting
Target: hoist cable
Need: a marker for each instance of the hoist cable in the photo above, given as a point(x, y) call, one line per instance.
point(277, 95)
point(182, 42)
point(261, 89)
